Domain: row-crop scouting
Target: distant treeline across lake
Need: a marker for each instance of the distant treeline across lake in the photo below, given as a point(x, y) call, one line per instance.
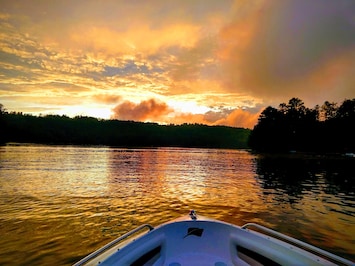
point(290, 127)
point(55, 129)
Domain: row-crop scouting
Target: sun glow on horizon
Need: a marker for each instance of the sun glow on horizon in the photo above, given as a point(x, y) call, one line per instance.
point(188, 107)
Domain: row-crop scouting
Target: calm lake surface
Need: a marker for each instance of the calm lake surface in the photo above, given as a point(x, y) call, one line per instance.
point(59, 203)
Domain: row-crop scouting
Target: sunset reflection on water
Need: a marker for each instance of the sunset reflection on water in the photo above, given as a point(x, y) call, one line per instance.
point(59, 203)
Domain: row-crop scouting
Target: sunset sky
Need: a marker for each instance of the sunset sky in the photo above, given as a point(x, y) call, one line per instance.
point(216, 62)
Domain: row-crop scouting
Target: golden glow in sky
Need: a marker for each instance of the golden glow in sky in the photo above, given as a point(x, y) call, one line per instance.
point(200, 61)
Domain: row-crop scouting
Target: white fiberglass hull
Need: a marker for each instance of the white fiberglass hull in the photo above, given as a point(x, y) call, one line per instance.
point(202, 241)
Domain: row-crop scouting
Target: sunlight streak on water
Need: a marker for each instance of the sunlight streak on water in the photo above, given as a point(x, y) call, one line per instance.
point(58, 203)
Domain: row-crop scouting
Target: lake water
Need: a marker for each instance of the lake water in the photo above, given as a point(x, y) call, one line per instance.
point(59, 203)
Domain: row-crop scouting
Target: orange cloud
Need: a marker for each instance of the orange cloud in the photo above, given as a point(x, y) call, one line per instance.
point(144, 111)
point(239, 118)
point(153, 110)
point(273, 51)
point(233, 118)
point(107, 98)
point(335, 76)
point(181, 118)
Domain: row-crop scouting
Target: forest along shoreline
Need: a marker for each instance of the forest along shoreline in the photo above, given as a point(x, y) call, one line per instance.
point(292, 127)
point(55, 129)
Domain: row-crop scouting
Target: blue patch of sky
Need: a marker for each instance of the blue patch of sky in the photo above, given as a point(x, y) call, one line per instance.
point(130, 68)
point(13, 59)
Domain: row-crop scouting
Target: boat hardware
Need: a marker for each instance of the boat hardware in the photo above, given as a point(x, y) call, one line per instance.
point(298, 243)
point(112, 243)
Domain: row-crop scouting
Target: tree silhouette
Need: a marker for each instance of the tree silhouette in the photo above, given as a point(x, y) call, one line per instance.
point(346, 110)
point(344, 122)
point(2, 110)
point(81, 130)
point(328, 110)
point(295, 127)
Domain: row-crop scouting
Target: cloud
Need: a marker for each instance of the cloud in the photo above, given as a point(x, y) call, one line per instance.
point(130, 68)
point(197, 62)
point(107, 98)
point(232, 118)
point(154, 110)
point(148, 110)
point(274, 51)
point(239, 118)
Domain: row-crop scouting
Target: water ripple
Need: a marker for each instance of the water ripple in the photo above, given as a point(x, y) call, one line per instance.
point(58, 203)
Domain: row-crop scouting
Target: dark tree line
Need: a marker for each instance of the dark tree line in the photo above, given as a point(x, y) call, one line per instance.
point(292, 126)
point(54, 129)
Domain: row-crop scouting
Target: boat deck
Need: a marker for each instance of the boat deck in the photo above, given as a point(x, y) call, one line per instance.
point(212, 243)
